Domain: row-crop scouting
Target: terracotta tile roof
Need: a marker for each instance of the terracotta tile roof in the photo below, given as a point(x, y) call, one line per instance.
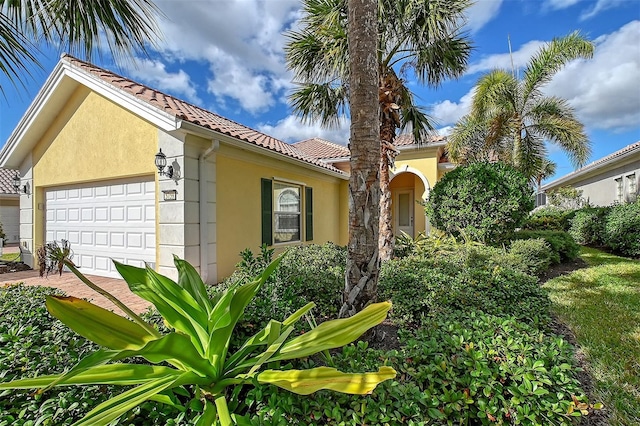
point(322, 149)
point(406, 139)
point(6, 181)
point(193, 114)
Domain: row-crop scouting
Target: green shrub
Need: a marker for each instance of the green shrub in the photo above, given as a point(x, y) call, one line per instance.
point(563, 246)
point(481, 201)
point(588, 225)
point(622, 229)
point(313, 273)
point(549, 218)
point(34, 343)
point(534, 255)
point(466, 369)
point(422, 288)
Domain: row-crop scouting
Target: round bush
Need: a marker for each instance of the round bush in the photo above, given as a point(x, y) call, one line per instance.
point(480, 201)
point(587, 226)
point(622, 229)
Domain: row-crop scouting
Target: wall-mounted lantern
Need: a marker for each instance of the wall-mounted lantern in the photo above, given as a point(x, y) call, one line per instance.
point(161, 162)
point(16, 184)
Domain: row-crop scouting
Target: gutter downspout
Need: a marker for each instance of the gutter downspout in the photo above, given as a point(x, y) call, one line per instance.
point(203, 201)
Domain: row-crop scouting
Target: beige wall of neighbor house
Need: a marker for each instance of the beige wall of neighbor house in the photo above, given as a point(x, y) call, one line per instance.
point(239, 174)
point(92, 139)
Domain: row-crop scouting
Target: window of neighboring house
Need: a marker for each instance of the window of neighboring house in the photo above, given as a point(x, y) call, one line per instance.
point(632, 187)
point(284, 206)
point(619, 190)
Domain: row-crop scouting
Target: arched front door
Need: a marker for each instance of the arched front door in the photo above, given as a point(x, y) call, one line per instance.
point(407, 192)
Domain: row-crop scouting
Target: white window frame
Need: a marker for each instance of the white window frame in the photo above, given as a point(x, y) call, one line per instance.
point(632, 188)
point(280, 189)
point(619, 189)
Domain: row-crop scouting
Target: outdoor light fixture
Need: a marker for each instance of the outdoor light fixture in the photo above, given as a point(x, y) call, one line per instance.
point(16, 184)
point(161, 162)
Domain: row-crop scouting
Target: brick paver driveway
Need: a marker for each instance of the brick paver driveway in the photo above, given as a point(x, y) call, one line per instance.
point(72, 286)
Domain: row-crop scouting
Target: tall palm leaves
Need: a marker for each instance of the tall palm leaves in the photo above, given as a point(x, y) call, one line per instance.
point(77, 25)
point(510, 119)
point(414, 36)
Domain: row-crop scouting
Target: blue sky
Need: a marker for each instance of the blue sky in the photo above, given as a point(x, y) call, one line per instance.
point(227, 56)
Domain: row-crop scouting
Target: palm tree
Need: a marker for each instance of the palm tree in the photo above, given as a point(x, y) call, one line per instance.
point(419, 36)
point(510, 119)
point(363, 264)
point(77, 25)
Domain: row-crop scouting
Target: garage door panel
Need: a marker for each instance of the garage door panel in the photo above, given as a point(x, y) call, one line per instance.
point(114, 220)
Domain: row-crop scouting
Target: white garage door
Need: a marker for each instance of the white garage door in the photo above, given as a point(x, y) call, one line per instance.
point(109, 220)
point(10, 219)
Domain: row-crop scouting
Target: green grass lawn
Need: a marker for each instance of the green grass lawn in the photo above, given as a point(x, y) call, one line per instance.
point(10, 257)
point(601, 305)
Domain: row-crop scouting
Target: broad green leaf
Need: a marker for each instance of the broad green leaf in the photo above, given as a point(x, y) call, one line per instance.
point(120, 404)
point(209, 415)
point(112, 374)
point(293, 318)
point(178, 308)
point(334, 333)
point(97, 324)
point(259, 339)
point(305, 382)
point(189, 279)
point(241, 297)
point(176, 349)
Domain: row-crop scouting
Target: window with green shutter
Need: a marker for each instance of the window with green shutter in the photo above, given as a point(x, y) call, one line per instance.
point(282, 214)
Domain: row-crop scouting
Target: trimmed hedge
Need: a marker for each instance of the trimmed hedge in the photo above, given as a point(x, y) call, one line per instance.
point(563, 246)
point(588, 225)
point(622, 229)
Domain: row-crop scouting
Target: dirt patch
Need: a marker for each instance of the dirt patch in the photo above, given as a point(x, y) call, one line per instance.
point(562, 269)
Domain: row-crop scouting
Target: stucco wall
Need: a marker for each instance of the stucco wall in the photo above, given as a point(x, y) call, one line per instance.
point(239, 203)
point(601, 189)
point(91, 139)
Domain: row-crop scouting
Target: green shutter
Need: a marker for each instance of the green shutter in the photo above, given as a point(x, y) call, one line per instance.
point(308, 213)
point(267, 212)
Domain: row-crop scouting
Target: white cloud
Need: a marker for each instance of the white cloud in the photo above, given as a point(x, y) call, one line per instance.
point(481, 13)
point(291, 129)
point(560, 4)
point(240, 41)
point(600, 6)
point(503, 60)
point(605, 91)
point(154, 73)
point(448, 112)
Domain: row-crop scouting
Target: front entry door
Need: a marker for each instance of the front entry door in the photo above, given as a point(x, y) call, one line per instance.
point(403, 212)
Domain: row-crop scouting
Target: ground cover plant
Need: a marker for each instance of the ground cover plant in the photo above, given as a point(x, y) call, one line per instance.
point(601, 305)
point(195, 352)
point(473, 347)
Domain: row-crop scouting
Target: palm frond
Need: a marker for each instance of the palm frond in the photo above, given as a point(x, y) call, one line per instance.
point(553, 56)
point(495, 91)
point(15, 52)
point(326, 102)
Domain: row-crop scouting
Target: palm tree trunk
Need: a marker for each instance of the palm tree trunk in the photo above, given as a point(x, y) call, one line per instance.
point(363, 264)
point(389, 98)
point(385, 243)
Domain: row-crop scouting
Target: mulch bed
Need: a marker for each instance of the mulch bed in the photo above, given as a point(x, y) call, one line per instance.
point(7, 267)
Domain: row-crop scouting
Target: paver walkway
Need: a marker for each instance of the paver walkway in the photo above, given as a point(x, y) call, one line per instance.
point(72, 286)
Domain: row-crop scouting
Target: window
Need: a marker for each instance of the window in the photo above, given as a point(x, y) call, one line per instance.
point(619, 190)
point(632, 187)
point(284, 206)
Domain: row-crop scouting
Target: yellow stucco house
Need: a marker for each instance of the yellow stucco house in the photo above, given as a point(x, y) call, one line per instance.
point(87, 151)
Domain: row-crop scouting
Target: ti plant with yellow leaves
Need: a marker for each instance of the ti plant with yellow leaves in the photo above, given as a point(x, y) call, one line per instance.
point(195, 356)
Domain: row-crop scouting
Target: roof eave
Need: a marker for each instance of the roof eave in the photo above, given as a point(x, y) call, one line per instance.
point(61, 83)
point(239, 143)
point(590, 170)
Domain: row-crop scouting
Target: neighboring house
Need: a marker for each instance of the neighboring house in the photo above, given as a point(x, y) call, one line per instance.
point(417, 168)
point(9, 206)
point(612, 179)
point(86, 150)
